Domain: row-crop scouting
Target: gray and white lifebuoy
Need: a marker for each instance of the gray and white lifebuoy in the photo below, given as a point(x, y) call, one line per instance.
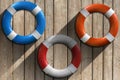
point(76, 56)
point(23, 5)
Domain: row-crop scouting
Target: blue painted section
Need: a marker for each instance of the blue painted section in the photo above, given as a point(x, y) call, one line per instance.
point(24, 39)
point(6, 23)
point(24, 5)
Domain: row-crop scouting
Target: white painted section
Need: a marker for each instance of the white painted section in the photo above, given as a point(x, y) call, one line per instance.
point(11, 10)
point(72, 68)
point(36, 10)
point(12, 35)
point(36, 34)
point(110, 37)
point(85, 38)
point(59, 73)
point(109, 13)
point(84, 12)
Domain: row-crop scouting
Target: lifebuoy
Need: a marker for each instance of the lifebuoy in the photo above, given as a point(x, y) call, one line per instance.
point(109, 13)
point(7, 17)
point(76, 56)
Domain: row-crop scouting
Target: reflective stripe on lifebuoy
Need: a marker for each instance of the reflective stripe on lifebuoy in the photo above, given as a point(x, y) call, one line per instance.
point(109, 13)
point(76, 56)
point(7, 17)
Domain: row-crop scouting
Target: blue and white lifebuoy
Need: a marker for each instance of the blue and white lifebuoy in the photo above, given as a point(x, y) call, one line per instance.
point(7, 17)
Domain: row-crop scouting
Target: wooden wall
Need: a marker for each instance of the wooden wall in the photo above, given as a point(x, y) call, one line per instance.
point(19, 62)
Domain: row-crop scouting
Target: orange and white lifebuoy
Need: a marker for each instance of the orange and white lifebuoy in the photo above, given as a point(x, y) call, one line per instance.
point(76, 56)
point(109, 13)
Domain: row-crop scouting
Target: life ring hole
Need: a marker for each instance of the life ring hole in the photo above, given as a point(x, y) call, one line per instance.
point(97, 25)
point(23, 22)
point(59, 54)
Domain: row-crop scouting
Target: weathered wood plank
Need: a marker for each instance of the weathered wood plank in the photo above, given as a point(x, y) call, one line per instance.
point(116, 46)
point(49, 31)
point(108, 52)
point(97, 52)
point(87, 50)
point(73, 9)
point(39, 75)
point(9, 54)
point(18, 50)
point(6, 56)
point(29, 61)
point(60, 20)
point(105, 66)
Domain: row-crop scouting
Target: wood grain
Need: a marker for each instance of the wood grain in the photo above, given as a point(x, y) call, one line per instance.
point(19, 62)
point(39, 75)
point(60, 20)
point(87, 50)
point(116, 46)
point(49, 31)
point(6, 56)
point(30, 61)
point(108, 51)
point(18, 50)
point(74, 7)
point(97, 52)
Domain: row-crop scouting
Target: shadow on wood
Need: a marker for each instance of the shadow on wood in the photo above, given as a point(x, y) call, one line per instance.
point(32, 49)
point(96, 51)
point(28, 52)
